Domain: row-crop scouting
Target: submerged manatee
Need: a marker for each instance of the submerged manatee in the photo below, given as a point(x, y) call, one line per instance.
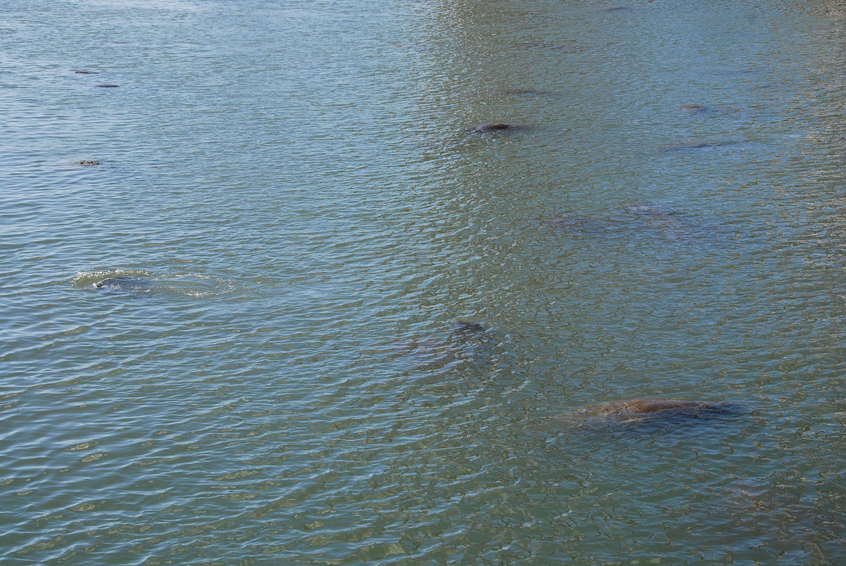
point(649, 412)
point(653, 221)
point(495, 127)
point(702, 110)
point(124, 283)
point(461, 340)
point(703, 145)
point(467, 327)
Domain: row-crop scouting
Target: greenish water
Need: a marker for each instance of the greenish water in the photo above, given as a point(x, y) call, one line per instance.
point(298, 187)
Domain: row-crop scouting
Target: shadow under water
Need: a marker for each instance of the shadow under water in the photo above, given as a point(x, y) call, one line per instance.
point(652, 221)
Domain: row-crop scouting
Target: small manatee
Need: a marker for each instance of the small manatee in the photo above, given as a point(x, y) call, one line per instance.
point(703, 145)
point(467, 327)
point(694, 108)
point(89, 162)
point(496, 127)
point(107, 86)
point(83, 72)
point(136, 284)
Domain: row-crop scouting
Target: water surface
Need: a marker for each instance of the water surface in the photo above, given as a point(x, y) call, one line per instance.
point(300, 185)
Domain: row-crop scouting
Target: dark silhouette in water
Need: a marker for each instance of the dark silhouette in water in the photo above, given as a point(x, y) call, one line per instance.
point(467, 327)
point(702, 145)
point(655, 222)
point(107, 86)
point(136, 284)
point(86, 72)
point(496, 127)
point(465, 340)
point(89, 162)
point(646, 414)
point(693, 108)
point(700, 109)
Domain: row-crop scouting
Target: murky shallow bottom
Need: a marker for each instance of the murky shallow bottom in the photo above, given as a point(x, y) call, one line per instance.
point(336, 325)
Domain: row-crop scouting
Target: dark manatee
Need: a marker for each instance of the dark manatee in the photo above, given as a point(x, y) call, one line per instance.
point(123, 283)
point(89, 162)
point(701, 109)
point(83, 72)
point(467, 328)
point(646, 413)
point(495, 127)
point(107, 86)
point(703, 145)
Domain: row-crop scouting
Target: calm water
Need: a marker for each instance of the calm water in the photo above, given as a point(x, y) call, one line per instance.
point(298, 187)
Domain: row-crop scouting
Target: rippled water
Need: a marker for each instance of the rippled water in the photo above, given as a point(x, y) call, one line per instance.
point(298, 189)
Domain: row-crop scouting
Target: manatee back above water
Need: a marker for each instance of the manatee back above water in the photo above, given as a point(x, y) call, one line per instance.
point(125, 283)
point(495, 127)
